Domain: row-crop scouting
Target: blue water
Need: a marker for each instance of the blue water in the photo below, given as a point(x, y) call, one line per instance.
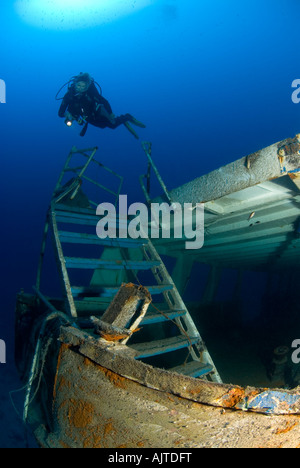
point(210, 79)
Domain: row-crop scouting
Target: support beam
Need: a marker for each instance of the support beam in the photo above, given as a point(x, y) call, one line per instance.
point(258, 167)
point(182, 272)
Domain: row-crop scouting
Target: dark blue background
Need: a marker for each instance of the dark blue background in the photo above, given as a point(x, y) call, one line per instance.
point(210, 79)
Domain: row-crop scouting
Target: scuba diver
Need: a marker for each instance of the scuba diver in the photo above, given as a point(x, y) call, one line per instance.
point(86, 105)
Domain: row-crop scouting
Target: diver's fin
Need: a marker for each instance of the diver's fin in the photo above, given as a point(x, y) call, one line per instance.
point(137, 122)
point(130, 129)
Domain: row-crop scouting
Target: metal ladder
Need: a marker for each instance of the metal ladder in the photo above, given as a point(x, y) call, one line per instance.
point(168, 336)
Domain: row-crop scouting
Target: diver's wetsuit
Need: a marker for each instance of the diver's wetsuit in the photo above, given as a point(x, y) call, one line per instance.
point(92, 106)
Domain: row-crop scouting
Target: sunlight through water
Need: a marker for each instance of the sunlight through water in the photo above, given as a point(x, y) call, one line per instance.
point(76, 14)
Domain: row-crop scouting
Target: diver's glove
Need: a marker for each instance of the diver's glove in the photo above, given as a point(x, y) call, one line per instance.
point(69, 119)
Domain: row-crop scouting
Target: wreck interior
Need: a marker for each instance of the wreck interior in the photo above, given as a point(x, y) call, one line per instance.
point(133, 341)
point(241, 287)
point(236, 297)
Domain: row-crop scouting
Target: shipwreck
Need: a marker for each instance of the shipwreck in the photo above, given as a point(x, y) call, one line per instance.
point(111, 354)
